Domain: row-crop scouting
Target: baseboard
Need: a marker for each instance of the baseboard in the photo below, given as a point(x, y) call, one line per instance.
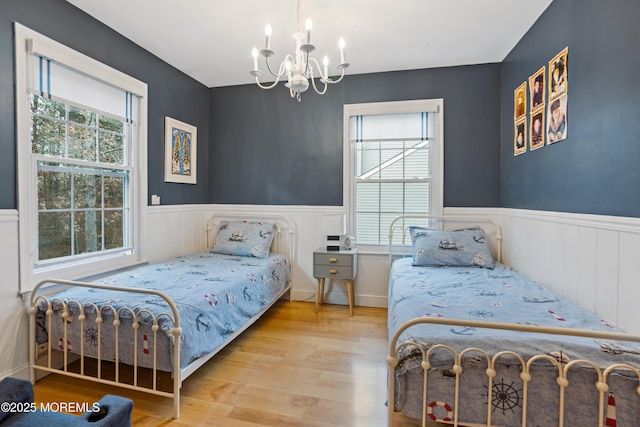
point(21, 371)
point(340, 298)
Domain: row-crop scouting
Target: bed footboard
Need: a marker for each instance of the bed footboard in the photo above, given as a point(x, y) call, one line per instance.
point(444, 412)
point(58, 357)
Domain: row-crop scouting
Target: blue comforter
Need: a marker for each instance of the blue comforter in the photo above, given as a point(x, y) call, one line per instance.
point(215, 295)
point(499, 295)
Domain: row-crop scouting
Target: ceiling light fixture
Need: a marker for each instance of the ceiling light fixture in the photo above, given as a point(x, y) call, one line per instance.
point(298, 68)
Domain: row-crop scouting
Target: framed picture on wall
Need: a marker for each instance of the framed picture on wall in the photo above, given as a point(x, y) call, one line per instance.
point(536, 89)
point(180, 151)
point(536, 137)
point(520, 139)
point(558, 75)
point(557, 120)
point(520, 101)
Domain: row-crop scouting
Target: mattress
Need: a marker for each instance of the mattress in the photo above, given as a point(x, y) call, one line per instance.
point(215, 294)
point(501, 295)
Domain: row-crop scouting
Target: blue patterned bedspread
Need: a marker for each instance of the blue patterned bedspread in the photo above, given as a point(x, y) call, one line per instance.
point(499, 295)
point(215, 294)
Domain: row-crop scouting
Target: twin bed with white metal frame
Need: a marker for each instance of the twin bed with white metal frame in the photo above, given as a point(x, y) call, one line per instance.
point(170, 316)
point(540, 361)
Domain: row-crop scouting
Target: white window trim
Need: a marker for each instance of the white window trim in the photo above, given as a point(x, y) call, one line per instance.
point(436, 155)
point(27, 41)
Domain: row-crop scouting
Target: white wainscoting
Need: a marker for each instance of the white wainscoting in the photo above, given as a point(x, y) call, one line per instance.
point(14, 357)
point(592, 260)
point(177, 230)
point(174, 230)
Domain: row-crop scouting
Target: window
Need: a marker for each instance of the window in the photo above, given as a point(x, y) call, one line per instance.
point(81, 162)
point(394, 165)
point(82, 179)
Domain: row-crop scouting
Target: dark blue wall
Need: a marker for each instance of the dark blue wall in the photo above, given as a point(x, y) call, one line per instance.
point(270, 149)
point(265, 148)
point(596, 170)
point(171, 93)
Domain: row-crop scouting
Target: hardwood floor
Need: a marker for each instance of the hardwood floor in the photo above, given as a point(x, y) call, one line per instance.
point(293, 367)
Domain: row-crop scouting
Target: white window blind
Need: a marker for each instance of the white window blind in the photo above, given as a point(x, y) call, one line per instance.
point(83, 79)
point(52, 79)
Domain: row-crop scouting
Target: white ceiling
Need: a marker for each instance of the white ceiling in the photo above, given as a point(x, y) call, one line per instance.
point(211, 40)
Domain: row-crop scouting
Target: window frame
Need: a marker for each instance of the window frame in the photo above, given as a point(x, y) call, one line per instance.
point(79, 266)
point(436, 156)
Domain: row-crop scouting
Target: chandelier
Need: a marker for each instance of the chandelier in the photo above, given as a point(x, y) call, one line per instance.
point(299, 67)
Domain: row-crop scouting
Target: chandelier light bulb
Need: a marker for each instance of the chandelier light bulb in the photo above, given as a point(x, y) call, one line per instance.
point(267, 32)
point(254, 53)
point(308, 26)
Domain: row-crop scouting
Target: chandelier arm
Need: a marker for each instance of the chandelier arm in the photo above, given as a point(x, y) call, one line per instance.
point(319, 92)
point(280, 69)
point(328, 80)
point(266, 60)
point(322, 77)
point(271, 86)
point(312, 61)
point(313, 83)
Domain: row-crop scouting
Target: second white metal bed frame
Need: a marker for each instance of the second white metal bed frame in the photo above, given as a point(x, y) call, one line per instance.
point(283, 225)
point(392, 359)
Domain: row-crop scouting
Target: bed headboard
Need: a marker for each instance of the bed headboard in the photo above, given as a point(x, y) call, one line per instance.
point(283, 241)
point(400, 240)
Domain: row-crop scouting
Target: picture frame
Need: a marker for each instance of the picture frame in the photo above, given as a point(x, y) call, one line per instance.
point(180, 151)
point(557, 119)
point(558, 76)
point(537, 130)
point(537, 89)
point(520, 101)
point(520, 137)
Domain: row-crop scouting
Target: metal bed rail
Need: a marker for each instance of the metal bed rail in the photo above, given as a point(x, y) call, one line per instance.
point(601, 385)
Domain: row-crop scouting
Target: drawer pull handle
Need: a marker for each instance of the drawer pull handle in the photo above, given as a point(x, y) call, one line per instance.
point(333, 271)
point(333, 259)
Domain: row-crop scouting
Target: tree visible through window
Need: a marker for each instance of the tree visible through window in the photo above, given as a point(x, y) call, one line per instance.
point(81, 179)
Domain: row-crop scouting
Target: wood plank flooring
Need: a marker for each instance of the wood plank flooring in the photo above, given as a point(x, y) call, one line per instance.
point(293, 367)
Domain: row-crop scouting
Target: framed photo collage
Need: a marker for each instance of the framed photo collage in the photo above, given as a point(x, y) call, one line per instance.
point(553, 108)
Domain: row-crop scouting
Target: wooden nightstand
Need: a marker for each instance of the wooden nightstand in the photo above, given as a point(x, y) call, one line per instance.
point(341, 264)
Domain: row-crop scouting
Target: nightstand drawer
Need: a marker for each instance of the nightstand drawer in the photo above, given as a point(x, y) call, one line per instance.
point(333, 271)
point(333, 259)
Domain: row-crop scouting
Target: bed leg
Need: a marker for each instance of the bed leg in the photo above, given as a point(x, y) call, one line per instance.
point(32, 344)
point(176, 406)
point(392, 362)
point(177, 373)
point(177, 379)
